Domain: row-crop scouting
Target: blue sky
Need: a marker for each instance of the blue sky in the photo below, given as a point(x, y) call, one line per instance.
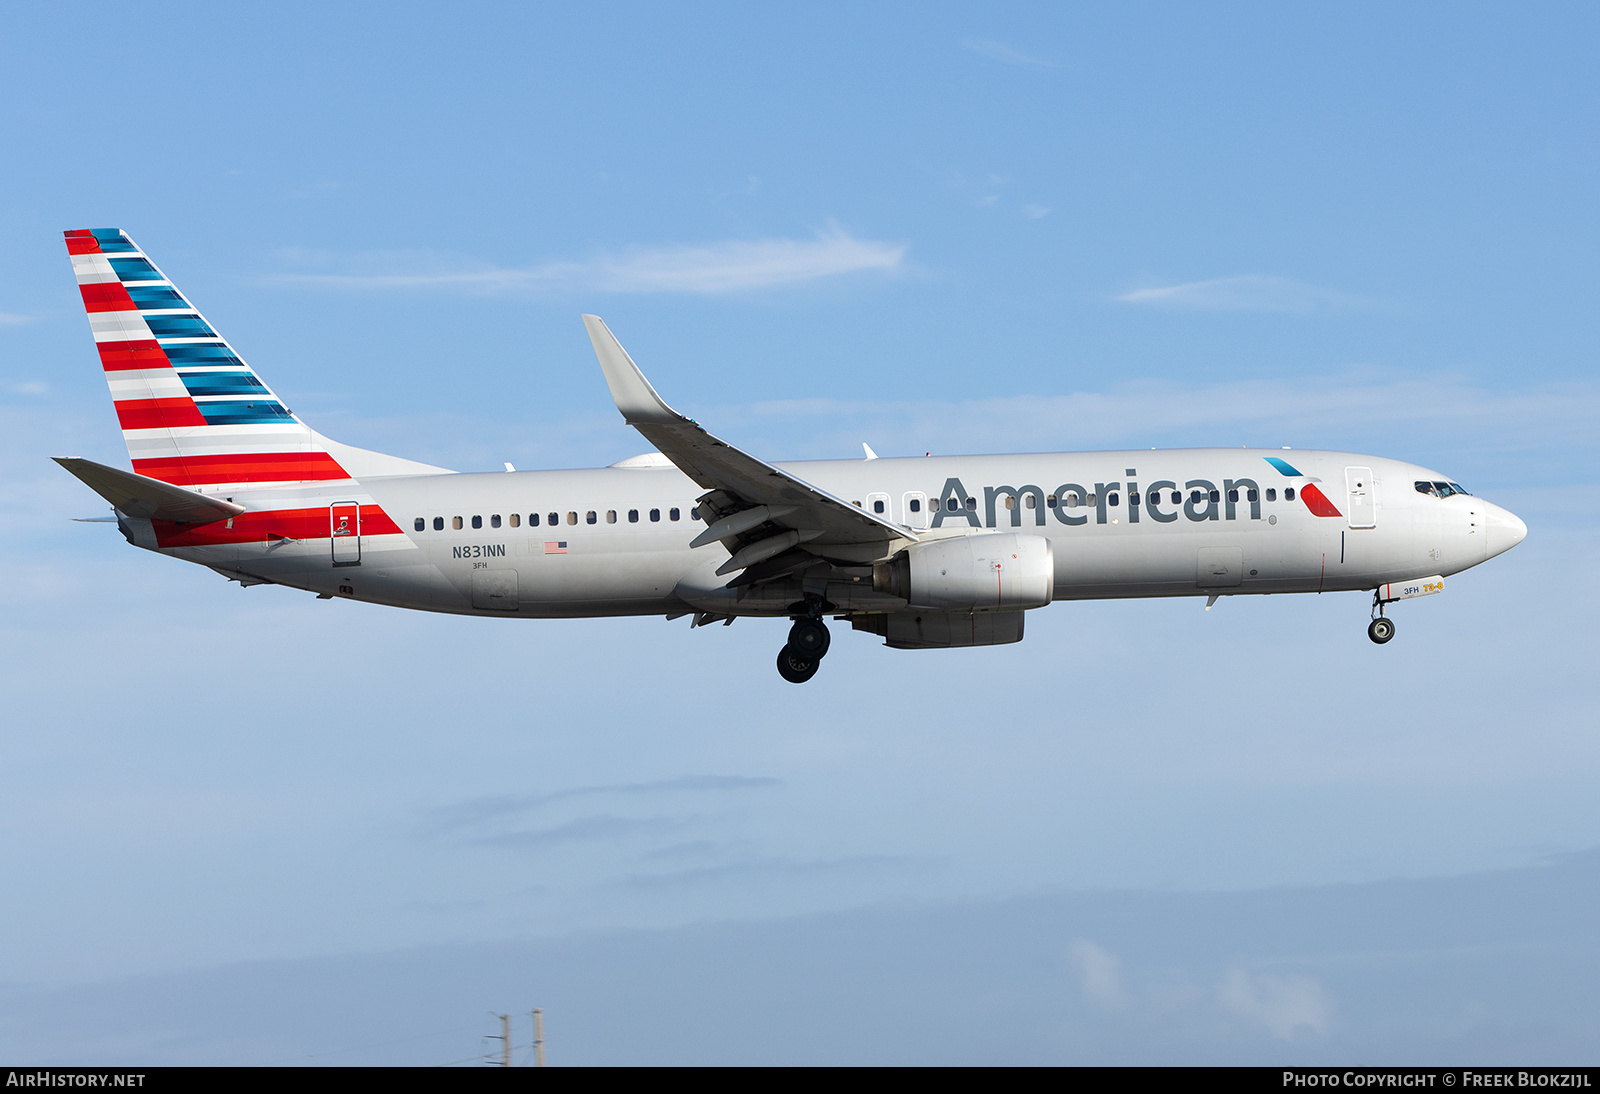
point(942, 228)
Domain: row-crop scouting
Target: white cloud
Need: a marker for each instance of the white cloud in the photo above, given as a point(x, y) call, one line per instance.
point(1006, 55)
point(1101, 973)
point(708, 269)
point(1282, 1005)
point(1251, 292)
point(1035, 212)
point(12, 319)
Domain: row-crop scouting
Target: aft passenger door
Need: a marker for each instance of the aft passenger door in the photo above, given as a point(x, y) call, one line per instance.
point(344, 519)
point(1358, 487)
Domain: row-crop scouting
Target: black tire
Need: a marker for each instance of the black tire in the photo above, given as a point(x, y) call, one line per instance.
point(795, 667)
point(1381, 630)
point(810, 638)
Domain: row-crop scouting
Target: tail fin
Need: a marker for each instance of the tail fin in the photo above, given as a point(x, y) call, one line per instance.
point(192, 412)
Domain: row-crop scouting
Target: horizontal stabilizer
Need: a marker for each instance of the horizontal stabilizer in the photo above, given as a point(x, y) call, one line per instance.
point(147, 498)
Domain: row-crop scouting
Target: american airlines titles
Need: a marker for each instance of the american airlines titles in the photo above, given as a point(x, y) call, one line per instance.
point(1202, 501)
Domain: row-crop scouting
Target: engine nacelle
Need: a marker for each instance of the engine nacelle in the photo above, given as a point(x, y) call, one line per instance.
point(984, 572)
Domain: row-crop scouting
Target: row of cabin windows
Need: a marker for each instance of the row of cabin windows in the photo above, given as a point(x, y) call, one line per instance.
point(1070, 501)
point(552, 519)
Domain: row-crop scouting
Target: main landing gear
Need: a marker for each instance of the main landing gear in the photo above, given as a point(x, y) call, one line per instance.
point(1381, 629)
point(803, 653)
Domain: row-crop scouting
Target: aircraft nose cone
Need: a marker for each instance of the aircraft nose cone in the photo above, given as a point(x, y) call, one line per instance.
point(1506, 530)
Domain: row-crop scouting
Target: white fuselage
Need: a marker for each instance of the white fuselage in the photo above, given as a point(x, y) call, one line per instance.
point(620, 542)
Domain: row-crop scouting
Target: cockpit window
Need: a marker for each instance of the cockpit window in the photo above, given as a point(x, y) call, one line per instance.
point(1440, 489)
point(1458, 488)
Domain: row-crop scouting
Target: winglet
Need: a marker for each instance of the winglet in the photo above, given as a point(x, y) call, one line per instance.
point(633, 394)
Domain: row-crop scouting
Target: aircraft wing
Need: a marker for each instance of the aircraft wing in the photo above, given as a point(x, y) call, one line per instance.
point(151, 499)
point(756, 506)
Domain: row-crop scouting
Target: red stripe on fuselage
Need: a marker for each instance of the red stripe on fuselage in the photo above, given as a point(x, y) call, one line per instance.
point(81, 241)
point(158, 413)
point(106, 296)
point(120, 356)
point(1318, 502)
point(248, 467)
point(263, 527)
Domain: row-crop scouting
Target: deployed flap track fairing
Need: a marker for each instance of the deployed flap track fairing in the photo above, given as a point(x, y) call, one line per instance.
point(927, 553)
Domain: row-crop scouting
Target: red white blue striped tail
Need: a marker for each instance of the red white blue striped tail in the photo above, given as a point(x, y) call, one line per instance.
point(192, 412)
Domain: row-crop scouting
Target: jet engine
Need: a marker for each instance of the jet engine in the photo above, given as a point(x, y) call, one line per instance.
point(984, 572)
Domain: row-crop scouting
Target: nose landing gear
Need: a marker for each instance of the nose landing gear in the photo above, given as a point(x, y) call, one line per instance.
point(1381, 629)
point(803, 653)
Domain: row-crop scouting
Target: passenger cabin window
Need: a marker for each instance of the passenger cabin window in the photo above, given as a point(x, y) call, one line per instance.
point(589, 517)
point(1288, 493)
point(438, 524)
point(533, 520)
point(1252, 495)
point(916, 505)
point(1033, 501)
point(877, 506)
point(1093, 499)
point(1216, 496)
point(516, 519)
point(1112, 499)
point(1176, 497)
point(672, 514)
point(455, 522)
point(494, 520)
point(572, 518)
point(655, 515)
point(611, 516)
point(972, 503)
point(857, 504)
point(694, 514)
point(1133, 497)
point(555, 519)
point(633, 516)
point(1011, 501)
point(421, 523)
point(477, 522)
point(1272, 493)
point(1233, 495)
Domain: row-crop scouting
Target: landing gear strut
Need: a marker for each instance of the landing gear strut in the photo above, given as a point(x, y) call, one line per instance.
point(1381, 629)
point(803, 653)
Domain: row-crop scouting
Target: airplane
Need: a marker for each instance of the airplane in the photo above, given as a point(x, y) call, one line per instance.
point(933, 552)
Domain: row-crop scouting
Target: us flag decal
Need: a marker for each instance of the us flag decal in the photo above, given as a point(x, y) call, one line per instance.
point(555, 547)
